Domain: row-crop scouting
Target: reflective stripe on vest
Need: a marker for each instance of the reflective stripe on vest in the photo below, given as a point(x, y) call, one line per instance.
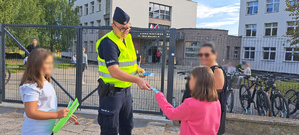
point(121, 64)
point(109, 76)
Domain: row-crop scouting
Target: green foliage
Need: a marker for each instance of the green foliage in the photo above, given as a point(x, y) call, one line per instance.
point(293, 8)
point(45, 12)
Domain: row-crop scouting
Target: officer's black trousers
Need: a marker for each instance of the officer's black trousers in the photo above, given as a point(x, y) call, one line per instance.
point(116, 114)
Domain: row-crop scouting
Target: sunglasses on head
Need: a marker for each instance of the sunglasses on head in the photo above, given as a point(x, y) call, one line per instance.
point(203, 54)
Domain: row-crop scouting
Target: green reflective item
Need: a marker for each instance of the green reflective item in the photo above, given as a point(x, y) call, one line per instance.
point(62, 121)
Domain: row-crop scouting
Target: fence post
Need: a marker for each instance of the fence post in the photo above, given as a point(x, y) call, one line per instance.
point(2, 63)
point(79, 52)
point(172, 43)
point(163, 61)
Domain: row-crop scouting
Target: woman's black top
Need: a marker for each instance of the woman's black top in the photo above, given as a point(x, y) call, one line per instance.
point(221, 97)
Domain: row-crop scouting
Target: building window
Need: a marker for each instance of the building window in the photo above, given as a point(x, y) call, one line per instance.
point(80, 11)
point(252, 8)
point(192, 49)
point(269, 53)
point(107, 22)
point(249, 52)
point(272, 6)
point(92, 7)
point(236, 52)
point(291, 28)
point(251, 30)
point(159, 11)
point(151, 25)
point(99, 22)
point(292, 54)
point(99, 5)
point(91, 30)
point(227, 52)
point(85, 45)
point(86, 9)
point(270, 29)
point(107, 7)
point(91, 46)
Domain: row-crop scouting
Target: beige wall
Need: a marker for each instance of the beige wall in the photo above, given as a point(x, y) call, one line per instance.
point(181, 16)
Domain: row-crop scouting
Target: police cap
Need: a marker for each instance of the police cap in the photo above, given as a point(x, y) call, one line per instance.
point(120, 16)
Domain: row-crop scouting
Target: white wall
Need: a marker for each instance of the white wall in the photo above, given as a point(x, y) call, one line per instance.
point(279, 42)
point(263, 17)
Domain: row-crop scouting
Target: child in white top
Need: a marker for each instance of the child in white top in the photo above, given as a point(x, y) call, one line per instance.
point(38, 95)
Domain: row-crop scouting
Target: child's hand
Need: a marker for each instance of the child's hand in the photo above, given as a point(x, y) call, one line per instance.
point(62, 113)
point(73, 118)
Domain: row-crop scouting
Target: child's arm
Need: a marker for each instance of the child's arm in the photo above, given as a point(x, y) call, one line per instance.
point(180, 113)
point(33, 113)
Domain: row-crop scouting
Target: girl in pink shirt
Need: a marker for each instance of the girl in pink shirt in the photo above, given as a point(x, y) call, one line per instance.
point(200, 114)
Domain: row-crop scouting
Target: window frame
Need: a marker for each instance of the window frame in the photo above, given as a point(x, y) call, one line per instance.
point(236, 52)
point(227, 52)
point(271, 28)
point(250, 50)
point(194, 52)
point(294, 27)
point(108, 7)
point(271, 50)
point(99, 3)
point(293, 51)
point(251, 29)
point(273, 4)
point(253, 6)
point(156, 12)
point(92, 7)
point(86, 9)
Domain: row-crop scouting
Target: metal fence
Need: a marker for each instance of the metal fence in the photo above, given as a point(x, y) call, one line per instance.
point(65, 41)
point(68, 79)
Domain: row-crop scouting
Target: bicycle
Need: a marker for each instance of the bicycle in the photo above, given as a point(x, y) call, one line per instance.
point(7, 75)
point(262, 103)
point(279, 105)
point(230, 93)
point(292, 97)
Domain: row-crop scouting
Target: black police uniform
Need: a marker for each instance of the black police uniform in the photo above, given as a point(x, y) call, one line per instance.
point(116, 112)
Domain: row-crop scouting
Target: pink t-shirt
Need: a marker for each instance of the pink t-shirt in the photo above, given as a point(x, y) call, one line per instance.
point(197, 117)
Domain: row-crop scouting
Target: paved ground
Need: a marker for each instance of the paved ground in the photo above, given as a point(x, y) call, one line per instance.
point(11, 122)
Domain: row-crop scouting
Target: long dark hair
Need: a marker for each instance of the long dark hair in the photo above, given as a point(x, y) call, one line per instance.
point(33, 68)
point(204, 89)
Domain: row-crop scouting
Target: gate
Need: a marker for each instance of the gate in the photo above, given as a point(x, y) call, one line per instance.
point(67, 78)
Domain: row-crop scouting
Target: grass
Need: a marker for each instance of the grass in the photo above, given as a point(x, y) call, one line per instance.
point(13, 64)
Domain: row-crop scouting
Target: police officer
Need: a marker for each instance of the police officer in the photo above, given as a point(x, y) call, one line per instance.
point(118, 68)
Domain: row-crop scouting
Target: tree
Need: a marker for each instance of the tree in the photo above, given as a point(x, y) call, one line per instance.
point(49, 12)
point(293, 8)
point(9, 10)
point(60, 12)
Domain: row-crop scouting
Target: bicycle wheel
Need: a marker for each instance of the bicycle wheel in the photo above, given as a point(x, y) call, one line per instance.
point(229, 101)
point(7, 75)
point(291, 98)
point(244, 96)
point(263, 103)
point(280, 106)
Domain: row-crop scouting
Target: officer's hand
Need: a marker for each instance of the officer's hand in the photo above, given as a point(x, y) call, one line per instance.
point(142, 84)
point(141, 71)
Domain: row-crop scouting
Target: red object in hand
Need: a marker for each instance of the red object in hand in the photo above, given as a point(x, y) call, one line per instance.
point(76, 122)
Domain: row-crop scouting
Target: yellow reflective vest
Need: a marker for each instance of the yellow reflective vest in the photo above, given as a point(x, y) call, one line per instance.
point(127, 60)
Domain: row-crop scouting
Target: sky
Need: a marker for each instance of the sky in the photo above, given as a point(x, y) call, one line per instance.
point(218, 14)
